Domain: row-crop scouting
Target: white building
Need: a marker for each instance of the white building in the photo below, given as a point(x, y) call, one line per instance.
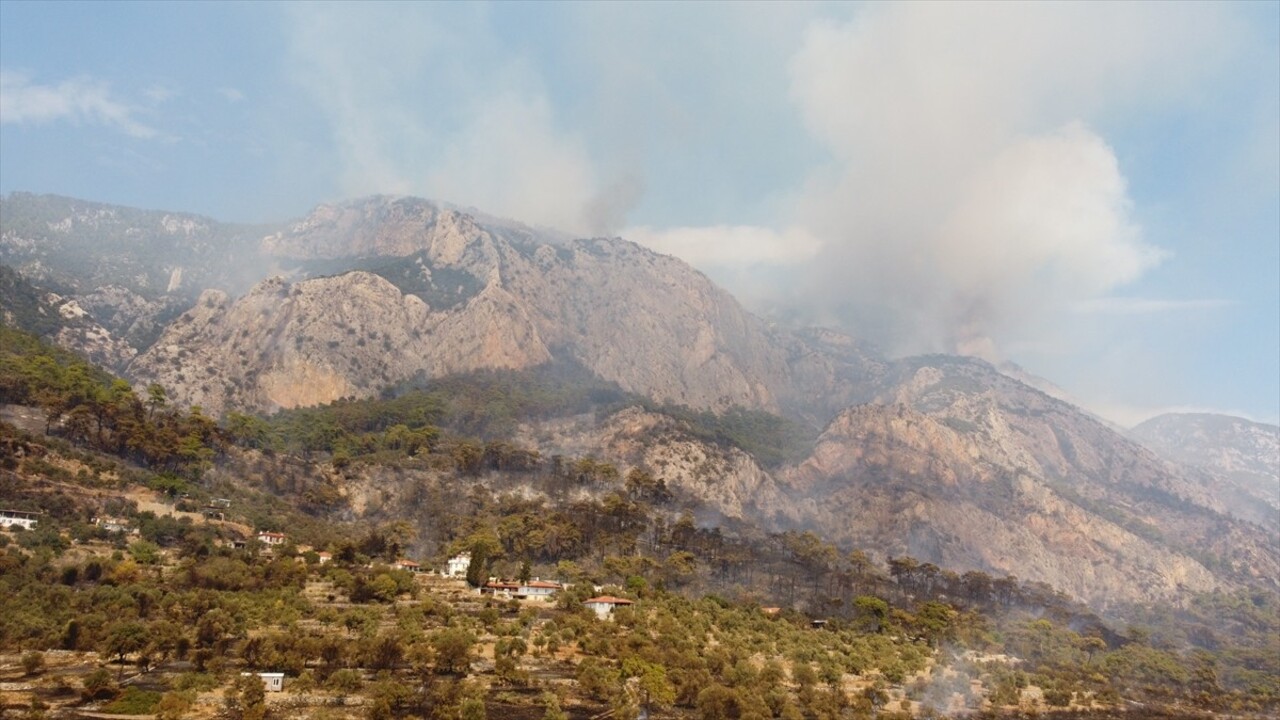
point(538, 589)
point(603, 606)
point(271, 681)
point(20, 518)
point(272, 539)
point(458, 565)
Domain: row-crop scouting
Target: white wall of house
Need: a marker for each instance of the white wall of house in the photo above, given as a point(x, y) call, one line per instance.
point(17, 519)
point(271, 681)
point(458, 565)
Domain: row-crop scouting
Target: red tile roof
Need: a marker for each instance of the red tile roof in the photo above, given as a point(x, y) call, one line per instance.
point(608, 600)
point(541, 584)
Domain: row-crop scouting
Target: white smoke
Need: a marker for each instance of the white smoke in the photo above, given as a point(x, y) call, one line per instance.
point(420, 100)
point(970, 197)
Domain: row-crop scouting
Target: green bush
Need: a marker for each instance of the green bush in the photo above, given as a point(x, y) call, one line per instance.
point(345, 681)
point(134, 702)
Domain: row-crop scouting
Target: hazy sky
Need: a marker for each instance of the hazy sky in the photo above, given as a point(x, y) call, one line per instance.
point(1091, 190)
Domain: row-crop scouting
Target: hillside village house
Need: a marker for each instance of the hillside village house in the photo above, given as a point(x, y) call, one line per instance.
point(499, 588)
point(458, 565)
point(534, 589)
point(538, 589)
point(603, 606)
point(272, 539)
point(408, 565)
point(19, 518)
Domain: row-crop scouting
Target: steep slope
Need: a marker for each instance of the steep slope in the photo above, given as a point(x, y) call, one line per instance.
point(75, 246)
point(960, 465)
point(1240, 457)
point(288, 345)
point(725, 479)
point(132, 271)
point(62, 320)
point(489, 298)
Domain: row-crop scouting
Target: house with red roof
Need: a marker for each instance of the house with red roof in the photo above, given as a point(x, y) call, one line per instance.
point(603, 605)
point(272, 539)
point(409, 565)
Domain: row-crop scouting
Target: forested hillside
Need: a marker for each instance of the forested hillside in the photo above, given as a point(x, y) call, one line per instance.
point(162, 614)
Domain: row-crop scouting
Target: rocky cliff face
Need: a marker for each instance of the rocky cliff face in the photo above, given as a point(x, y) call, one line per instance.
point(75, 246)
point(896, 480)
point(961, 465)
point(727, 480)
point(1240, 459)
point(61, 320)
point(314, 341)
point(481, 299)
point(903, 482)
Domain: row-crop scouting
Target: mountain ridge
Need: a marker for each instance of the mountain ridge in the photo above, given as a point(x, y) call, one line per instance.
point(941, 457)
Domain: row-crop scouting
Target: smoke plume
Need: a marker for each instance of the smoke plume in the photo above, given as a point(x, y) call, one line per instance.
point(971, 197)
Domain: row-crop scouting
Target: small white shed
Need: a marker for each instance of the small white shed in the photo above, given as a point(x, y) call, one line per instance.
point(271, 681)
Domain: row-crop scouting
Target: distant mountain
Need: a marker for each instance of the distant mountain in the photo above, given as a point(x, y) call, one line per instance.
point(1241, 456)
point(75, 246)
point(130, 271)
point(948, 459)
point(61, 320)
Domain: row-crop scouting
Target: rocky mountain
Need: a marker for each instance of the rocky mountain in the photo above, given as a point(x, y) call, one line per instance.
point(948, 459)
point(74, 246)
point(130, 271)
point(61, 320)
point(435, 292)
point(960, 464)
point(956, 464)
point(1240, 457)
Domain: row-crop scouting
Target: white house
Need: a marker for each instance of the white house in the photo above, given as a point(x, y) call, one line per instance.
point(538, 589)
point(271, 681)
point(21, 518)
point(458, 564)
point(272, 539)
point(534, 589)
point(324, 557)
point(603, 606)
point(499, 588)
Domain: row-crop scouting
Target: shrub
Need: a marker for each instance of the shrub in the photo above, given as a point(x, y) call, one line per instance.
point(99, 684)
point(345, 681)
point(134, 701)
point(32, 663)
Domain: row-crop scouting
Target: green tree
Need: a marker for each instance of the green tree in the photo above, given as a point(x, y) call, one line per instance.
point(246, 699)
point(125, 638)
point(98, 684)
point(551, 703)
point(453, 650)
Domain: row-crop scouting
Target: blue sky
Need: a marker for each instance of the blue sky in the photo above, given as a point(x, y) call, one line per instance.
point(1089, 190)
